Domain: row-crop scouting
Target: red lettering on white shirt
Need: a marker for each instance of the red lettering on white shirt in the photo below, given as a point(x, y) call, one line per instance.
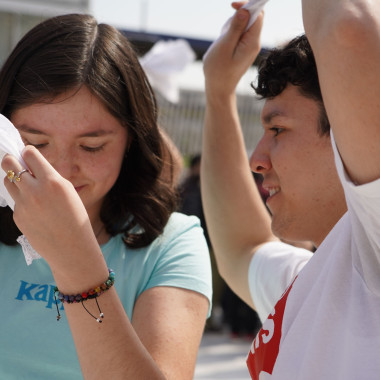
point(264, 350)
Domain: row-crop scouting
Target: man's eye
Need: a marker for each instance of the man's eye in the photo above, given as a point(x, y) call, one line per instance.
point(276, 130)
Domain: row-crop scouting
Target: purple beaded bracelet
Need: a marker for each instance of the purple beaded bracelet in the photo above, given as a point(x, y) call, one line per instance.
point(91, 294)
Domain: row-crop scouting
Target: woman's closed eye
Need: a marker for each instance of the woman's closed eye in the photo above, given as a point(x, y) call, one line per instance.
point(93, 149)
point(38, 146)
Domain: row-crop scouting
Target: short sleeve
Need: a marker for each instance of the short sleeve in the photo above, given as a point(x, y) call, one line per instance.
point(272, 269)
point(363, 203)
point(183, 257)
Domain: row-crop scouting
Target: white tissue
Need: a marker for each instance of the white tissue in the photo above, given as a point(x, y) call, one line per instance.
point(254, 7)
point(11, 143)
point(164, 63)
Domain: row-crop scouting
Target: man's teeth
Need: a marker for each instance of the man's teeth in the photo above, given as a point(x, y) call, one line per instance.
point(273, 191)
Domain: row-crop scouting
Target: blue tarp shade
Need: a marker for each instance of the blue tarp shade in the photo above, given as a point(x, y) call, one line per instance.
point(143, 41)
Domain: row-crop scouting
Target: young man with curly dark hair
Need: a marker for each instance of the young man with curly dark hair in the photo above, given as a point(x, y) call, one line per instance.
point(319, 311)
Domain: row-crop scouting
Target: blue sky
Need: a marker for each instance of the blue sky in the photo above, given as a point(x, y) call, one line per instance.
point(197, 18)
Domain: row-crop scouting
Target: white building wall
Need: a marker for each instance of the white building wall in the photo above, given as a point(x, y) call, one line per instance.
point(18, 16)
point(46, 8)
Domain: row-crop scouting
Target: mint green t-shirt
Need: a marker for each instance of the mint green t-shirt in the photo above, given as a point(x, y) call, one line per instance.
point(33, 345)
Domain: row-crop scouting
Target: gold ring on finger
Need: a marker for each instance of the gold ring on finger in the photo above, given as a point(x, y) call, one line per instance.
point(11, 175)
point(17, 178)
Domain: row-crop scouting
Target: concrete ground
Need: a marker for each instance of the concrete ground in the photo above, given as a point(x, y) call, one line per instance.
point(222, 357)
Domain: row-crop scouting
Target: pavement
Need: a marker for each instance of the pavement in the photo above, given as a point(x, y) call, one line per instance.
point(222, 357)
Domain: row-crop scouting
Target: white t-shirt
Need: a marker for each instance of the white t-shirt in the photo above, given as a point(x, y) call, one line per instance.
point(327, 323)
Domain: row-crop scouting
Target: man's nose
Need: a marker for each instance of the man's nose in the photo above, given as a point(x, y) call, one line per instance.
point(260, 159)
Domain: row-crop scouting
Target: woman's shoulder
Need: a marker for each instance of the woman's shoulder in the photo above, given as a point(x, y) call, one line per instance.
point(182, 233)
point(180, 230)
point(179, 223)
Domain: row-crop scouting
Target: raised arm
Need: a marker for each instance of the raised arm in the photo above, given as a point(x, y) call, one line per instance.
point(52, 216)
point(345, 38)
point(237, 220)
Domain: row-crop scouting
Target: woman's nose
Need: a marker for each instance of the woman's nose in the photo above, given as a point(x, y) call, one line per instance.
point(64, 162)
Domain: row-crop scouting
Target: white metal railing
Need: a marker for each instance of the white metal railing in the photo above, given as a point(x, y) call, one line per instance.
point(184, 121)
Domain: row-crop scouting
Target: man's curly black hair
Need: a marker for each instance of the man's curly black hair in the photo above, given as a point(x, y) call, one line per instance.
point(292, 64)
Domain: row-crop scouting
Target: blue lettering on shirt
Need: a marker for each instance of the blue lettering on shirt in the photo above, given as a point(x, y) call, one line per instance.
point(37, 292)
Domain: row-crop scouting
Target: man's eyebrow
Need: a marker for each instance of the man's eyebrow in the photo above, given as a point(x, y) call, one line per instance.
point(267, 119)
point(95, 133)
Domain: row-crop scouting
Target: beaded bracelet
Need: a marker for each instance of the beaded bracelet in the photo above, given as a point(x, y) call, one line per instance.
point(91, 294)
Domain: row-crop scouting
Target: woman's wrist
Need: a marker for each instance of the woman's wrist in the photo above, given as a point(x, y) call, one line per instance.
point(81, 271)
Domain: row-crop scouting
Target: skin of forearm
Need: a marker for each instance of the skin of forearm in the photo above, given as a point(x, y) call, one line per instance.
point(126, 356)
point(344, 36)
point(343, 21)
point(228, 188)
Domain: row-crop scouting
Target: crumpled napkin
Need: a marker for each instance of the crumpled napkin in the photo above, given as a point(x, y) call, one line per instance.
point(163, 64)
point(254, 7)
point(11, 142)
